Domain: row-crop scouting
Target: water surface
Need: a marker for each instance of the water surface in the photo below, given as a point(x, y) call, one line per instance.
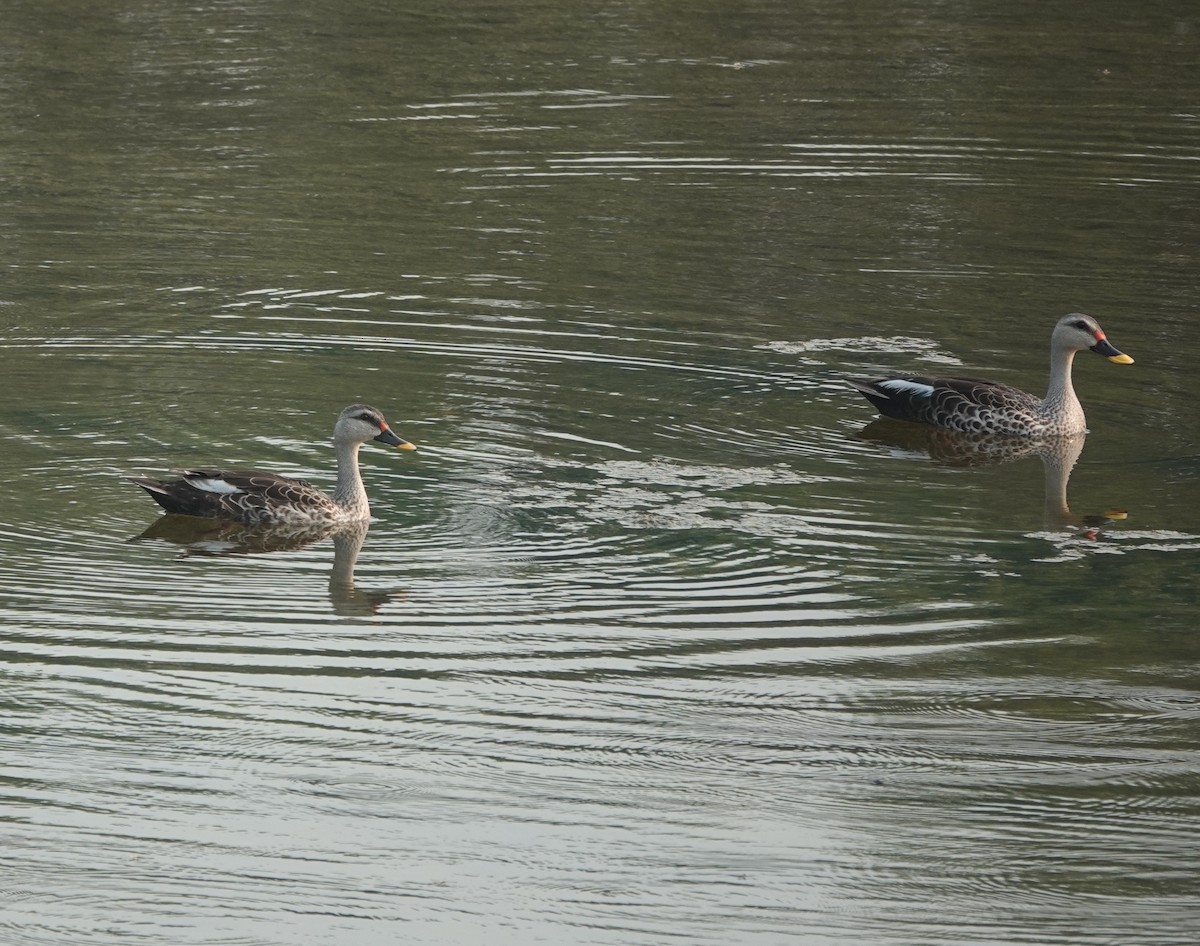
point(657, 636)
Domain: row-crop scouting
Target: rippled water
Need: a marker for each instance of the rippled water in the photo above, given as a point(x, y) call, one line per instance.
point(659, 635)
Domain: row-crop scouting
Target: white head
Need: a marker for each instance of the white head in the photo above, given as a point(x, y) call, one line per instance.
point(359, 423)
point(1077, 332)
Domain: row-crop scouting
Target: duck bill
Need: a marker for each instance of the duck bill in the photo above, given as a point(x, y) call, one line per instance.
point(1103, 347)
point(386, 436)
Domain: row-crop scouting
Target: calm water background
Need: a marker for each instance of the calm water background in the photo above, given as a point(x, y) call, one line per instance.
point(649, 642)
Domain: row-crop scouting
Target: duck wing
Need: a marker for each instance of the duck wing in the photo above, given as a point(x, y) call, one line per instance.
point(249, 496)
point(966, 404)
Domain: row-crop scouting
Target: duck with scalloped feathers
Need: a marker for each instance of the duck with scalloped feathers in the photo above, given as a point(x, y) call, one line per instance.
point(988, 407)
point(255, 498)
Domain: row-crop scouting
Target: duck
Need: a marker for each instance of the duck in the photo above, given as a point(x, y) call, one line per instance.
point(970, 405)
point(256, 498)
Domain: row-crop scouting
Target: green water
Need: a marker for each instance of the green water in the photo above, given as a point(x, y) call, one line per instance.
point(653, 637)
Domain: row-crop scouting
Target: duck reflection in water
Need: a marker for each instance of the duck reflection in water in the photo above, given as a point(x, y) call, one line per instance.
point(223, 537)
point(954, 448)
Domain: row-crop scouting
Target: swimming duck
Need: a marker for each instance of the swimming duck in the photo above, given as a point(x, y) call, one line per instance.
point(267, 499)
point(974, 406)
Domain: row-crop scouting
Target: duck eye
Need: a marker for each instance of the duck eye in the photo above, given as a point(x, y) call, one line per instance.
point(368, 418)
point(1079, 323)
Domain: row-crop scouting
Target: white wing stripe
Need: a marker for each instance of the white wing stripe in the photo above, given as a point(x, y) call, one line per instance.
point(912, 388)
point(210, 485)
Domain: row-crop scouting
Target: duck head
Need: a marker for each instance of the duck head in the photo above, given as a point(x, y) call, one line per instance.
point(359, 423)
point(1077, 332)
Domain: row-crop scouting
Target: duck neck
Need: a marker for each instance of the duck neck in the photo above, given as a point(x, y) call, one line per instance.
point(349, 492)
point(1060, 402)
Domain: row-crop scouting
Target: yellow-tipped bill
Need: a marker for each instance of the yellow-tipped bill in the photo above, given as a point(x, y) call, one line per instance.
point(387, 436)
point(1104, 347)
